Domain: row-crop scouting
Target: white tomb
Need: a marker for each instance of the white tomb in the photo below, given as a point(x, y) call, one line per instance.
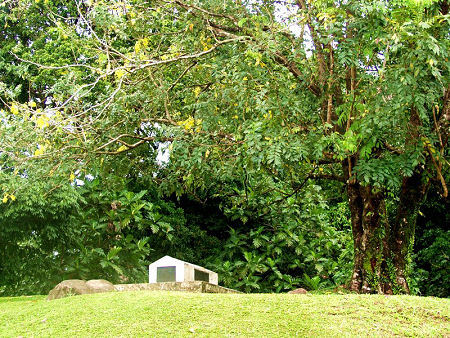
point(169, 269)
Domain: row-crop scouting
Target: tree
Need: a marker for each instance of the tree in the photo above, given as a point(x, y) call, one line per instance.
point(356, 92)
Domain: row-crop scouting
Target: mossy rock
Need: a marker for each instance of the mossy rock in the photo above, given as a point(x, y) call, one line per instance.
point(69, 287)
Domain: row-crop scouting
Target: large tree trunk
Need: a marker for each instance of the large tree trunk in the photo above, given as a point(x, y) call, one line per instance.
point(403, 228)
point(381, 248)
point(412, 194)
point(369, 225)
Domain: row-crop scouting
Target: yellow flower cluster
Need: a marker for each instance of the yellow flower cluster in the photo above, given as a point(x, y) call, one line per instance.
point(269, 115)
point(41, 149)
point(7, 196)
point(140, 45)
point(190, 123)
point(206, 43)
point(119, 73)
point(42, 121)
point(14, 109)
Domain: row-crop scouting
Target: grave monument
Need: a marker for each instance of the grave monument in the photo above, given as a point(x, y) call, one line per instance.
point(169, 269)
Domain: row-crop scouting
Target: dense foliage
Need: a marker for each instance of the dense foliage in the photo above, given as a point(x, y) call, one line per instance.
point(282, 143)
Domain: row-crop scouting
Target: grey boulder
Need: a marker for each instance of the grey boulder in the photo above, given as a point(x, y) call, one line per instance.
point(100, 285)
point(300, 291)
point(72, 287)
point(69, 287)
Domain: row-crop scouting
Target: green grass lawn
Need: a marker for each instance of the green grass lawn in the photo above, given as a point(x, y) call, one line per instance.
point(159, 313)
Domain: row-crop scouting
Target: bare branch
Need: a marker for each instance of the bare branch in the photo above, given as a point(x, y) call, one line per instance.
point(77, 65)
point(118, 139)
point(181, 76)
point(327, 177)
point(217, 15)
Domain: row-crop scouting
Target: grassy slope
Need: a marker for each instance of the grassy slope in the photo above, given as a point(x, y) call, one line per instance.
point(144, 313)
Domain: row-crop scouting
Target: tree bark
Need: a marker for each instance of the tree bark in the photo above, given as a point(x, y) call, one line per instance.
point(403, 228)
point(369, 225)
point(412, 194)
point(382, 248)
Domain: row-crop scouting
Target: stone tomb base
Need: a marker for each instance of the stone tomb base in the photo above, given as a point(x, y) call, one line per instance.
point(196, 286)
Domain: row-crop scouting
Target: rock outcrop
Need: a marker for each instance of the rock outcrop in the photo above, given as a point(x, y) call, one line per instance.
point(196, 286)
point(100, 285)
point(300, 291)
point(72, 287)
point(69, 287)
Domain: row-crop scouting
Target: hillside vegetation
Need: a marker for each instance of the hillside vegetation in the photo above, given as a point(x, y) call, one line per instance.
point(282, 144)
point(183, 314)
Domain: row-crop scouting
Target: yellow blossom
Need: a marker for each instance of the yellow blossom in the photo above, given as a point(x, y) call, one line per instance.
point(14, 109)
point(40, 150)
point(122, 148)
point(42, 121)
point(140, 45)
point(269, 115)
point(190, 122)
point(119, 73)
